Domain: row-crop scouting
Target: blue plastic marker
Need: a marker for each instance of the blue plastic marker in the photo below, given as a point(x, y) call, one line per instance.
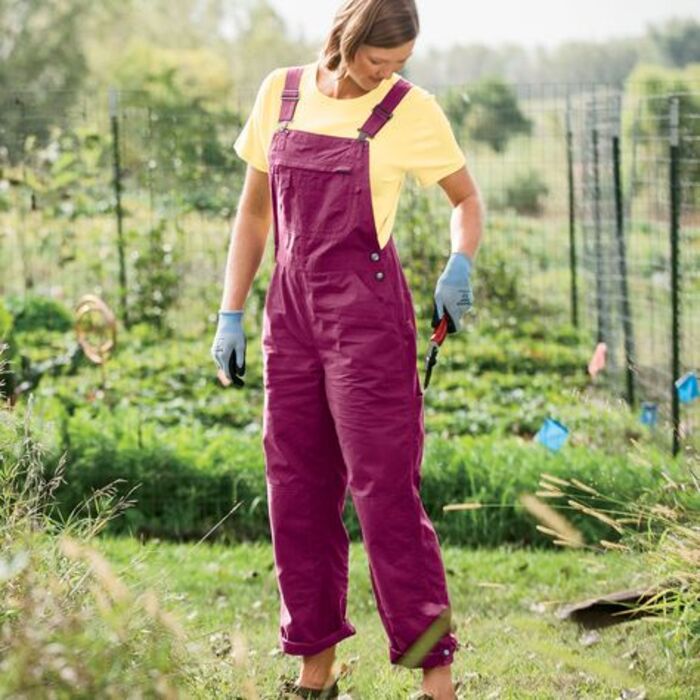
point(649, 414)
point(687, 387)
point(552, 434)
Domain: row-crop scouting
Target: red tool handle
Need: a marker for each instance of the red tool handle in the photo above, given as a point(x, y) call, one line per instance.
point(440, 331)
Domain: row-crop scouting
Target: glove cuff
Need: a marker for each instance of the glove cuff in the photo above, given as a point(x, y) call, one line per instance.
point(230, 319)
point(461, 260)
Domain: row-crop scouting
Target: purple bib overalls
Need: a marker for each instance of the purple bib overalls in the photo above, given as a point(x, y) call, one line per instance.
point(343, 407)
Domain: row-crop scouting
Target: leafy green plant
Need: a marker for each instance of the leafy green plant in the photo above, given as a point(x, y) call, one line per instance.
point(36, 312)
point(157, 280)
point(524, 193)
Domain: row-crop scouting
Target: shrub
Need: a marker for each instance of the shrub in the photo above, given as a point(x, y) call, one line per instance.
point(35, 312)
point(525, 192)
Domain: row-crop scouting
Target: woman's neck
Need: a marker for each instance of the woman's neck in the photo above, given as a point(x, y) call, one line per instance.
point(338, 89)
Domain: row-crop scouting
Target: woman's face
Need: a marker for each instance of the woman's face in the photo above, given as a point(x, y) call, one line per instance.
point(372, 64)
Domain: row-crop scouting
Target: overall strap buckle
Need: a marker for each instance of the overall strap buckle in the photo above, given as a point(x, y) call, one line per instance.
point(382, 113)
point(384, 110)
point(290, 94)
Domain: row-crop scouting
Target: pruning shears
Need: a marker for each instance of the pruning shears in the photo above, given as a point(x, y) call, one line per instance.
point(436, 339)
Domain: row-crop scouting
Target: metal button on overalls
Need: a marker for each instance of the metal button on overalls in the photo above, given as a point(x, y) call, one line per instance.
point(343, 407)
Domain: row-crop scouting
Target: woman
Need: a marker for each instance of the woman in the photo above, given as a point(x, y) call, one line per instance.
point(328, 145)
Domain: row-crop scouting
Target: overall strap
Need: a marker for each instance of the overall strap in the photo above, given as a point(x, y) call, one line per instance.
point(382, 112)
point(290, 93)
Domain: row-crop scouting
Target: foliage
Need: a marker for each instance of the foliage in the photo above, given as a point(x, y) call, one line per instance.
point(678, 41)
point(188, 478)
point(183, 147)
point(652, 88)
point(456, 102)
point(180, 98)
point(43, 63)
point(163, 423)
point(663, 527)
point(8, 351)
point(421, 250)
point(494, 116)
point(498, 282)
point(524, 193)
point(66, 172)
point(34, 312)
point(174, 75)
point(69, 623)
point(156, 278)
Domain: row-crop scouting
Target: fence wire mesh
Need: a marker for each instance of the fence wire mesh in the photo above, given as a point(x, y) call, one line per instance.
point(592, 204)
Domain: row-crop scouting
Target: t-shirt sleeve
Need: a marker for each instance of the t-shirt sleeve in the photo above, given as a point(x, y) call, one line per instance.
point(251, 143)
point(433, 151)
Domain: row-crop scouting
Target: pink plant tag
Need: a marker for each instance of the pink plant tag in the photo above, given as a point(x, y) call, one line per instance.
point(597, 361)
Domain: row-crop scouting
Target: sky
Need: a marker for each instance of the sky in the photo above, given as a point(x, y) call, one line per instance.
point(533, 23)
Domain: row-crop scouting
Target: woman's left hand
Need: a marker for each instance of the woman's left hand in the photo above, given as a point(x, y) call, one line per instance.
point(453, 292)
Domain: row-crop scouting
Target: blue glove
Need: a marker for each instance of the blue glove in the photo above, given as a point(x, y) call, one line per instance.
point(453, 292)
point(229, 346)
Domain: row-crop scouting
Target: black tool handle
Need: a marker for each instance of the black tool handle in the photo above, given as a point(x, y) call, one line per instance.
point(233, 371)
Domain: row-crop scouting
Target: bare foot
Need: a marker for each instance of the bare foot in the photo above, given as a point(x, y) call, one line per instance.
point(437, 681)
point(317, 670)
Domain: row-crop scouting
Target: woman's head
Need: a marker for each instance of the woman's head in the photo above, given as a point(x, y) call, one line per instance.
point(370, 39)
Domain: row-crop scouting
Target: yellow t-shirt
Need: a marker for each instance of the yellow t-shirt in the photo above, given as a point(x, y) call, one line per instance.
point(417, 140)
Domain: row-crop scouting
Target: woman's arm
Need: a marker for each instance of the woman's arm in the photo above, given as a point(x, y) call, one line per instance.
point(466, 222)
point(248, 237)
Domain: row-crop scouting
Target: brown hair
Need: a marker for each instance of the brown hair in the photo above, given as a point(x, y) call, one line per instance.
point(382, 23)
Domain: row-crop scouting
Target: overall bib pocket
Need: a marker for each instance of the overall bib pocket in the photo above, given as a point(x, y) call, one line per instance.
point(313, 198)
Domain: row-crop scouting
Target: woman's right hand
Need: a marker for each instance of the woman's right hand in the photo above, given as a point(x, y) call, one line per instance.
point(250, 229)
point(229, 346)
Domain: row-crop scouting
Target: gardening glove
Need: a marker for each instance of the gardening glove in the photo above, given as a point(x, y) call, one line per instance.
point(228, 348)
point(453, 292)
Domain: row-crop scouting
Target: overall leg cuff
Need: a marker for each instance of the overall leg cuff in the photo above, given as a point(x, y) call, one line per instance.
point(310, 648)
point(441, 654)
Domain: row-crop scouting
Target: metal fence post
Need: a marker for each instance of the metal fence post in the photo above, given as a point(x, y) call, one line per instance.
point(114, 121)
point(572, 212)
point(597, 225)
point(674, 196)
point(622, 262)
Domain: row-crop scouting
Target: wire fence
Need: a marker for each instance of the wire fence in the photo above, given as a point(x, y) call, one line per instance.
point(592, 202)
point(639, 244)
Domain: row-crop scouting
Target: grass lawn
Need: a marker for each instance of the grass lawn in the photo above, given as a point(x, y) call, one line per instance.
point(512, 645)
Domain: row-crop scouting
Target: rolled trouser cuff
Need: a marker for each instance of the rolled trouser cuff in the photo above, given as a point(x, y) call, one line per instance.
point(441, 654)
point(310, 648)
